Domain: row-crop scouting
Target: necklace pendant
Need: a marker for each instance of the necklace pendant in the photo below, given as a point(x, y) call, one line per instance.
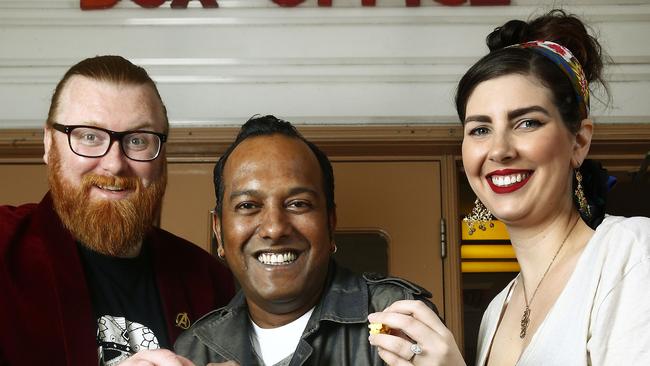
point(525, 319)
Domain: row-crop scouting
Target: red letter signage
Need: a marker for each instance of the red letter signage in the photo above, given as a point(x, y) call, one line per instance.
point(97, 4)
point(182, 4)
point(149, 3)
point(288, 3)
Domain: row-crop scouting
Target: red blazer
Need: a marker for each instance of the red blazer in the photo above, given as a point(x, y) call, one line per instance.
point(45, 309)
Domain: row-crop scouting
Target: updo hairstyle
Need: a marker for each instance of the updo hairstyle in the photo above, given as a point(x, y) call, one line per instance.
point(569, 31)
point(556, 26)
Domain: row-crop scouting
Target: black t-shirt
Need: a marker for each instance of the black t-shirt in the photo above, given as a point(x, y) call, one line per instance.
point(125, 303)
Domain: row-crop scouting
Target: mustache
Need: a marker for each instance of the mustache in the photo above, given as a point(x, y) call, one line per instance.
point(126, 183)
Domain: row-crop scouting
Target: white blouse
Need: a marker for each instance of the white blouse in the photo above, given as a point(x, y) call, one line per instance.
point(602, 317)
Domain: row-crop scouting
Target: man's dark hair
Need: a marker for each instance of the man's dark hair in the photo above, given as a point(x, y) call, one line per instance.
point(268, 126)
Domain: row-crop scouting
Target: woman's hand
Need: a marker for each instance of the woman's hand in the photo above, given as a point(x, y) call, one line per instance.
point(419, 326)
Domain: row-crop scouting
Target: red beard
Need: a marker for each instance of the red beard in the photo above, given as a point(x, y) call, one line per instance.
point(110, 227)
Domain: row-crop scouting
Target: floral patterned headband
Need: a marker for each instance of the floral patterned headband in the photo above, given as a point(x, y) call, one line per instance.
point(564, 59)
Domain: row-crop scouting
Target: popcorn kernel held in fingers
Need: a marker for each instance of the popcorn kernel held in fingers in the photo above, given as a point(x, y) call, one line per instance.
point(378, 328)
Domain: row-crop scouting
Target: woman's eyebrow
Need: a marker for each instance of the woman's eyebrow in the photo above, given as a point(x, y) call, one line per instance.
point(511, 114)
point(521, 111)
point(478, 118)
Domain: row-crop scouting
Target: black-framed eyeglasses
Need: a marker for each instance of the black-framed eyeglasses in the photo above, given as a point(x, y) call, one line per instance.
point(94, 142)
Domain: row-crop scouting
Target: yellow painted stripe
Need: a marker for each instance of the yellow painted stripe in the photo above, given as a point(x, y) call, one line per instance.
point(473, 267)
point(474, 251)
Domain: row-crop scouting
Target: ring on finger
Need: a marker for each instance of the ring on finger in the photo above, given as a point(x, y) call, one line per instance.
point(416, 349)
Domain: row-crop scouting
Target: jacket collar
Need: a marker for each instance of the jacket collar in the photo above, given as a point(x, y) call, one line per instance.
point(345, 299)
point(226, 330)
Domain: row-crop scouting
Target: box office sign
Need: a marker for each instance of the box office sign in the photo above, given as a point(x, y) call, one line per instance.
point(182, 4)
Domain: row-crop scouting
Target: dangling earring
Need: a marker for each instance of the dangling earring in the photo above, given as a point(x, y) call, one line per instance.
point(336, 249)
point(220, 255)
point(580, 196)
point(480, 215)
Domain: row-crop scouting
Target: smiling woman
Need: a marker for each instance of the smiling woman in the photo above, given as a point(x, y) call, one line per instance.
point(519, 141)
point(525, 111)
point(527, 132)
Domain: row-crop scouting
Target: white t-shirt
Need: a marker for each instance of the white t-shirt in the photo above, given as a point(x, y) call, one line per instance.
point(602, 317)
point(276, 344)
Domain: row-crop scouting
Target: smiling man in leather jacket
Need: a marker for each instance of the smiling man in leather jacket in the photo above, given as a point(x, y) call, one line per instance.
point(274, 226)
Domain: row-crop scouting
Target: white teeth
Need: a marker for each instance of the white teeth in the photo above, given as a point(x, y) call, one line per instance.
point(508, 180)
point(277, 259)
point(111, 188)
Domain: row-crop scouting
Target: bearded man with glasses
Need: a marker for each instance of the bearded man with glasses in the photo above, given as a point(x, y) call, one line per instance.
point(85, 276)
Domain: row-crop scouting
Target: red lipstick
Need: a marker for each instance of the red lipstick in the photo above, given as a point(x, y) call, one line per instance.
point(511, 187)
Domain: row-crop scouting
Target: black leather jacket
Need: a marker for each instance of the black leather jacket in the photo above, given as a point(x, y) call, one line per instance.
point(336, 333)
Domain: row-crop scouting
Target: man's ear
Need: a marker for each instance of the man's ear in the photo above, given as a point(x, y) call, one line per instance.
point(216, 229)
point(47, 143)
point(582, 142)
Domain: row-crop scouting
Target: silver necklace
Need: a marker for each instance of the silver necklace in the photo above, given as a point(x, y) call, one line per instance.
point(525, 319)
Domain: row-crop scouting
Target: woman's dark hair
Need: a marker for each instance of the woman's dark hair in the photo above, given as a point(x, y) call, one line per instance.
point(569, 31)
point(556, 26)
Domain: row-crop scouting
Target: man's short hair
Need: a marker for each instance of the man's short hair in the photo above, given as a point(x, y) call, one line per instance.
point(113, 69)
point(268, 126)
